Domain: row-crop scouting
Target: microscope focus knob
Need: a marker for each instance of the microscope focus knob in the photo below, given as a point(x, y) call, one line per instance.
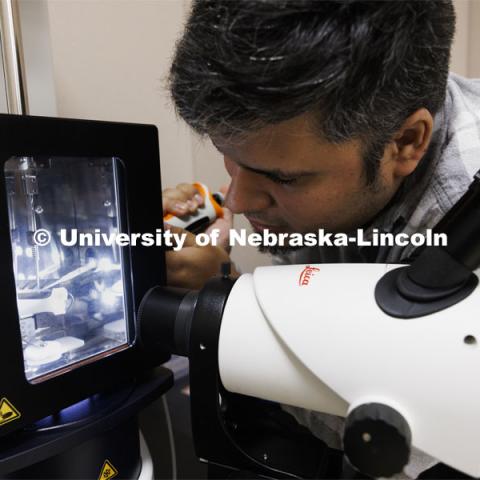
point(377, 440)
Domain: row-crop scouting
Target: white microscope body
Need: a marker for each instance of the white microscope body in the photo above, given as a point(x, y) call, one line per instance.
point(313, 336)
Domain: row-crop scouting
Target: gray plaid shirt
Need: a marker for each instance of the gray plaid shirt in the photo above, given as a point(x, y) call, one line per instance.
point(423, 199)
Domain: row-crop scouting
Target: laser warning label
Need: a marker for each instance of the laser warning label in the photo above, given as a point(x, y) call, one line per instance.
point(8, 413)
point(108, 471)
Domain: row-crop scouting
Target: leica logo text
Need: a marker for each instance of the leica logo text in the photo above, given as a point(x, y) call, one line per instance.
point(306, 275)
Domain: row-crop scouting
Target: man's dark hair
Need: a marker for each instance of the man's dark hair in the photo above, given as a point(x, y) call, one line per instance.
point(359, 67)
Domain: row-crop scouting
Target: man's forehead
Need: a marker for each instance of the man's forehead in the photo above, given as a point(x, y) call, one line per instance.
point(290, 148)
point(297, 129)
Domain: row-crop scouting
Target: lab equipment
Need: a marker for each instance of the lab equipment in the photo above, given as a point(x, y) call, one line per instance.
point(73, 374)
point(66, 296)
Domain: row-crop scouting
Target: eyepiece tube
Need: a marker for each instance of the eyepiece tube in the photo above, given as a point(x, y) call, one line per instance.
point(165, 319)
point(462, 226)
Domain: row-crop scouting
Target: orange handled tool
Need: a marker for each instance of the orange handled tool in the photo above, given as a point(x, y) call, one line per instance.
point(205, 214)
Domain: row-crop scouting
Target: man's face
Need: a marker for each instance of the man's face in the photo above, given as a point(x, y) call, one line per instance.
point(286, 179)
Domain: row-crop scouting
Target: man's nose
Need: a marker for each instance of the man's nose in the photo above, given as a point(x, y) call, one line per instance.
point(246, 192)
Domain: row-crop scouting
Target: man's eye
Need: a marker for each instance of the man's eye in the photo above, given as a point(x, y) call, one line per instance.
point(282, 181)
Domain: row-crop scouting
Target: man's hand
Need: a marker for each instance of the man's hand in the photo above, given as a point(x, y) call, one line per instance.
point(192, 266)
point(181, 200)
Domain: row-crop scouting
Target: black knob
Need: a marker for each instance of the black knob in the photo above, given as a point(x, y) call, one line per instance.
point(377, 440)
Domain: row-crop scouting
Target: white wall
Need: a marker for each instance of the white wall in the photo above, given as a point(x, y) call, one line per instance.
point(465, 51)
point(110, 62)
point(37, 55)
point(460, 60)
point(474, 39)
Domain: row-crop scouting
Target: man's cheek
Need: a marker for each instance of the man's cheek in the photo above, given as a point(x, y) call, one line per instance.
point(307, 220)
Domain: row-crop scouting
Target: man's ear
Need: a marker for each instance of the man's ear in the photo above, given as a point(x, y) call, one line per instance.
point(411, 142)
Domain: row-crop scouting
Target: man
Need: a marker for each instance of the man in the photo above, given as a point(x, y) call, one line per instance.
point(329, 114)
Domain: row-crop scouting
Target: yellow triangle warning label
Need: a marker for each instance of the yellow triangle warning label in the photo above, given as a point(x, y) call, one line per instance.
point(108, 471)
point(8, 413)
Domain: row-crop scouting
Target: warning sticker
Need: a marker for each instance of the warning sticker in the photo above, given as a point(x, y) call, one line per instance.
point(108, 471)
point(8, 413)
